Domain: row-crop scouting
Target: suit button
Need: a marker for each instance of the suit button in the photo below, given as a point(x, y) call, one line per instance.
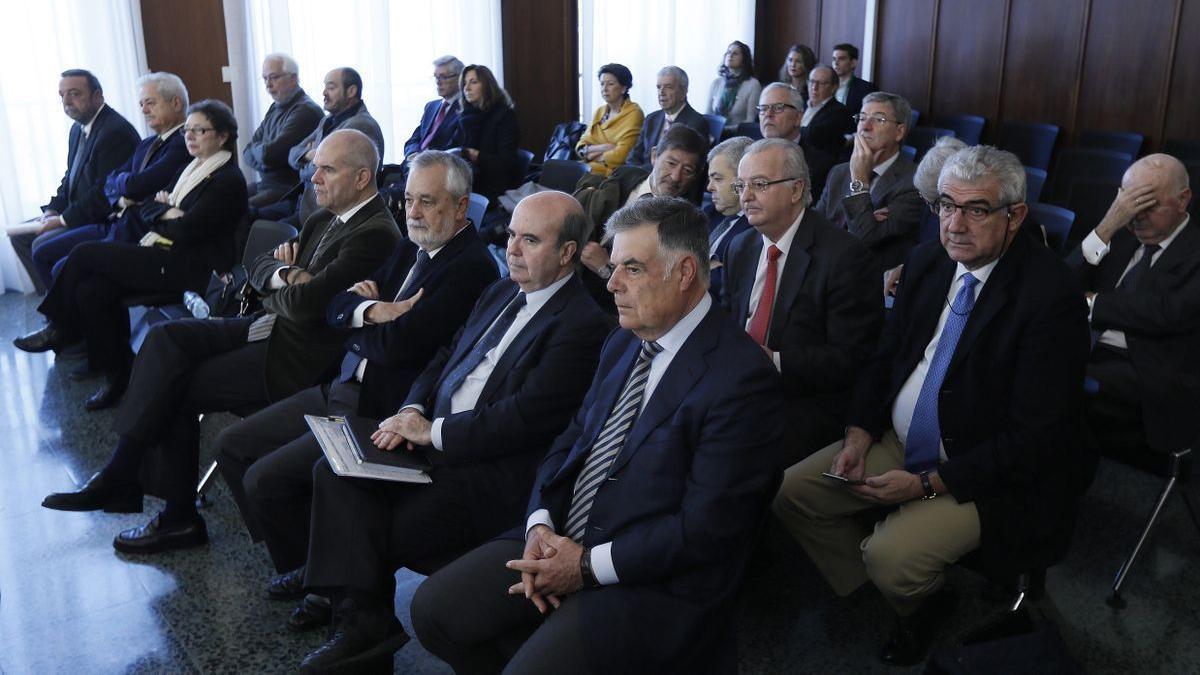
point(357, 348)
point(341, 316)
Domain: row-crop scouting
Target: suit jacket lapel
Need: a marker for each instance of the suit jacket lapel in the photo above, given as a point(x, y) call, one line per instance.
point(992, 298)
point(926, 310)
point(748, 263)
point(794, 270)
point(473, 332)
point(524, 340)
point(1181, 251)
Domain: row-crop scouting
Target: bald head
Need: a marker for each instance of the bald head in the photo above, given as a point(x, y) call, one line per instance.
point(1164, 180)
point(547, 233)
point(345, 162)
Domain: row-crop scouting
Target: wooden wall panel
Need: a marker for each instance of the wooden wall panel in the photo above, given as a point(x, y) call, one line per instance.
point(1183, 103)
point(904, 49)
point(968, 59)
point(188, 39)
point(841, 21)
point(1043, 59)
point(780, 24)
point(541, 65)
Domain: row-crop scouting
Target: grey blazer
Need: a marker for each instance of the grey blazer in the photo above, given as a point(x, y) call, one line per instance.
point(744, 104)
point(361, 120)
point(891, 239)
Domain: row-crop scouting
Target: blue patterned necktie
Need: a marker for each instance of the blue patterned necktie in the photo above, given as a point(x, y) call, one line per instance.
point(610, 441)
point(921, 448)
point(471, 361)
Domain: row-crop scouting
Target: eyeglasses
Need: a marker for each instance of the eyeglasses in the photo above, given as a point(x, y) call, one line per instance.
point(273, 76)
point(976, 213)
point(196, 131)
point(819, 83)
point(758, 184)
point(445, 78)
point(877, 119)
point(774, 108)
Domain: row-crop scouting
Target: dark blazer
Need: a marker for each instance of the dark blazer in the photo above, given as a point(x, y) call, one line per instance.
point(528, 400)
point(110, 143)
point(890, 240)
point(303, 347)
point(1011, 403)
point(683, 498)
point(828, 128)
point(716, 276)
point(497, 137)
point(443, 138)
point(858, 90)
point(652, 129)
point(163, 166)
point(825, 323)
point(397, 351)
point(1161, 321)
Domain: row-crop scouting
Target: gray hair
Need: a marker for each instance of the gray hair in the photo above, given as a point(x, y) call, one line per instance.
point(361, 152)
point(793, 160)
point(676, 72)
point(287, 63)
point(976, 164)
point(925, 179)
point(448, 60)
point(794, 96)
point(168, 86)
point(900, 105)
point(730, 148)
point(682, 230)
point(458, 171)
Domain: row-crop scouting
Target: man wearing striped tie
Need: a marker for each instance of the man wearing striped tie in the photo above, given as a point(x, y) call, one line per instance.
point(967, 419)
point(644, 510)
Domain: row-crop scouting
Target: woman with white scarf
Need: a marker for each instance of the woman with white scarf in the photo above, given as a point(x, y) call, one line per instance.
point(187, 234)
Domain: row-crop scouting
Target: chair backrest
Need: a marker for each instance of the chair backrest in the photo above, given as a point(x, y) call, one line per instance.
point(750, 130)
point(1193, 170)
point(923, 138)
point(1121, 141)
point(563, 139)
point(1186, 151)
point(916, 117)
point(264, 236)
point(477, 208)
point(910, 152)
point(562, 174)
point(716, 126)
point(1057, 223)
point(1035, 180)
point(1089, 198)
point(969, 128)
point(524, 159)
point(1084, 163)
point(1032, 143)
point(389, 175)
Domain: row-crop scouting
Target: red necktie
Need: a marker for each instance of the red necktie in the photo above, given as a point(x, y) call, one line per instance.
point(762, 314)
point(437, 122)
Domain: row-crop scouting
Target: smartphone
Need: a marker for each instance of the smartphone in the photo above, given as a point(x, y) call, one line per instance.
point(841, 479)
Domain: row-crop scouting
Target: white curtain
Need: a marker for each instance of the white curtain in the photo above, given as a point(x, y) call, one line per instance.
point(645, 35)
point(39, 40)
point(391, 44)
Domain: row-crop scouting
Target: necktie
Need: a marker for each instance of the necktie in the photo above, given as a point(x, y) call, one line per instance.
point(351, 360)
point(610, 441)
point(471, 361)
point(437, 122)
point(158, 143)
point(77, 161)
point(663, 132)
point(924, 433)
point(762, 314)
point(719, 230)
point(325, 240)
point(1135, 274)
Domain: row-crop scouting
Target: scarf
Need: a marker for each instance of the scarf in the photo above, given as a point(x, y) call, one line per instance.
point(195, 173)
point(733, 81)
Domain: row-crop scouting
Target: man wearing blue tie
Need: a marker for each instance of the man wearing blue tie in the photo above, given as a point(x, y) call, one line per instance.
point(966, 420)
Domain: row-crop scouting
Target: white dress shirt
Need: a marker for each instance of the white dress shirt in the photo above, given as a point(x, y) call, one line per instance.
point(671, 342)
point(906, 400)
point(760, 274)
point(811, 111)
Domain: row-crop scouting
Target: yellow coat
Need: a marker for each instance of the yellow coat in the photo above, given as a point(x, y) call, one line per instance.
point(621, 130)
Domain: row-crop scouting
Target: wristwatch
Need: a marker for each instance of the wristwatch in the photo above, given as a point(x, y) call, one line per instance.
point(857, 187)
point(927, 486)
point(585, 569)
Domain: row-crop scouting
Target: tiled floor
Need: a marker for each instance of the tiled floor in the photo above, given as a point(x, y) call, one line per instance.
point(69, 604)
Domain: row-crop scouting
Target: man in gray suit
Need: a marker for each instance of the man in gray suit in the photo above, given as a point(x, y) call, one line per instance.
point(872, 196)
point(674, 109)
point(343, 100)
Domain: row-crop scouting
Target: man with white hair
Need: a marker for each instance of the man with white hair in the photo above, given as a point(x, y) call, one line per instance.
point(290, 119)
point(673, 109)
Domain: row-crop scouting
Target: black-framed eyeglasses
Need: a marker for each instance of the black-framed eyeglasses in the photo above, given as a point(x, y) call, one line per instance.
point(859, 118)
point(445, 78)
point(758, 184)
point(976, 213)
point(774, 108)
point(196, 131)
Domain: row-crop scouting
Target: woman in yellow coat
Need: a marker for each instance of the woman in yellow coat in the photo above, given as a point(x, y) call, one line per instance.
point(615, 126)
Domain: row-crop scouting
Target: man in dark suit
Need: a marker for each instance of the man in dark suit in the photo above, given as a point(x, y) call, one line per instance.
point(872, 196)
point(485, 410)
point(436, 130)
point(805, 291)
point(851, 89)
point(825, 122)
point(291, 117)
point(644, 510)
point(780, 112)
point(193, 366)
point(397, 320)
point(1140, 269)
point(100, 141)
point(967, 419)
point(673, 109)
point(722, 172)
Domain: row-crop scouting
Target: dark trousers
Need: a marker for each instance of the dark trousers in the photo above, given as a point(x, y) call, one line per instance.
point(465, 616)
point(42, 254)
point(185, 367)
point(267, 461)
point(1114, 412)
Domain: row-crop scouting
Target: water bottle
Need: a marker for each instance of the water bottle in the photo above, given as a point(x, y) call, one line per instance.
point(195, 304)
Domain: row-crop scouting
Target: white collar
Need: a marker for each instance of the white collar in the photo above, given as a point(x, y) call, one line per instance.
point(886, 164)
point(535, 299)
point(166, 135)
point(346, 215)
point(87, 128)
point(672, 340)
point(785, 242)
point(1162, 245)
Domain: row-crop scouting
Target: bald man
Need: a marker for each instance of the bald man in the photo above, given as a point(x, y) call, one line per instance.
point(484, 410)
point(1140, 269)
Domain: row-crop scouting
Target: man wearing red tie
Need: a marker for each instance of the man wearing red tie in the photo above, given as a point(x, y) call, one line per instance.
point(804, 290)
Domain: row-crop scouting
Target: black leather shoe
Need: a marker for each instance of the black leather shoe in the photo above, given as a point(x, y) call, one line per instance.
point(154, 536)
point(313, 611)
point(97, 494)
point(910, 639)
point(43, 340)
point(108, 394)
point(287, 586)
point(362, 641)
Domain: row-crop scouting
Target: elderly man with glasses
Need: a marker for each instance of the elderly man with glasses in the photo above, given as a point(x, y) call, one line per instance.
point(966, 420)
point(872, 196)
